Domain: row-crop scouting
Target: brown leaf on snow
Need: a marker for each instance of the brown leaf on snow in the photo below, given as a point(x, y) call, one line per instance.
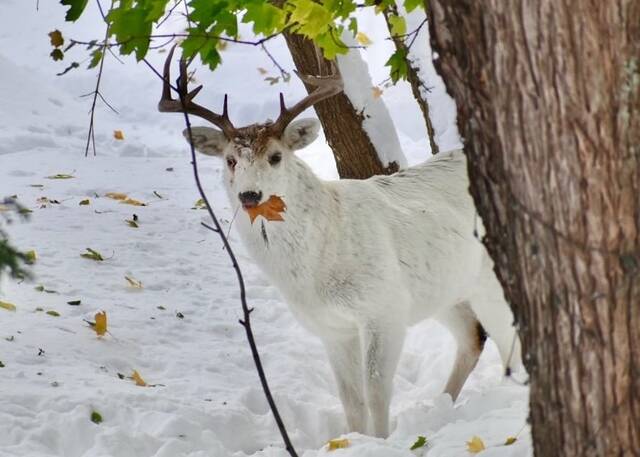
point(138, 379)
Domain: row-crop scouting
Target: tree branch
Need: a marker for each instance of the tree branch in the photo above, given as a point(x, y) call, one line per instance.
point(246, 321)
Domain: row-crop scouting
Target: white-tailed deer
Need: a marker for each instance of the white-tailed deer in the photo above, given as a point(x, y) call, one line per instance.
point(360, 261)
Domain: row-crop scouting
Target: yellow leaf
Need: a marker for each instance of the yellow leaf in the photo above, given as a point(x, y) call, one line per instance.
point(53, 313)
point(138, 379)
point(377, 92)
point(131, 201)
point(101, 323)
point(200, 204)
point(8, 306)
point(85, 202)
point(132, 223)
point(60, 176)
point(31, 256)
point(133, 282)
point(363, 39)
point(118, 135)
point(116, 195)
point(56, 38)
point(338, 444)
point(510, 440)
point(270, 209)
point(475, 445)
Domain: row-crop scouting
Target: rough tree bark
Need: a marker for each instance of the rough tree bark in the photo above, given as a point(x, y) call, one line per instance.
point(548, 100)
point(355, 154)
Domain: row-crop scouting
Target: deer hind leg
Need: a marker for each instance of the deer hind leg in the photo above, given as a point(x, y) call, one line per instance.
point(470, 337)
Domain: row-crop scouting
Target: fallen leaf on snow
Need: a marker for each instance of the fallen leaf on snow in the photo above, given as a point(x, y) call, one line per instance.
point(338, 444)
point(101, 323)
point(60, 176)
point(53, 313)
point(132, 201)
point(377, 92)
point(96, 417)
point(118, 135)
point(93, 255)
point(475, 445)
point(116, 195)
point(85, 202)
point(133, 282)
point(8, 306)
point(510, 440)
point(420, 442)
point(138, 379)
point(31, 256)
point(270, 209)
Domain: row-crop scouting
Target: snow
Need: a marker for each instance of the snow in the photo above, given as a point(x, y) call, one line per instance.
point(376, 120)
point(433, 88)
point(207, 399)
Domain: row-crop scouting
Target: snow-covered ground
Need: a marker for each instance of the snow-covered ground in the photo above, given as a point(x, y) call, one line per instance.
point(180, 331)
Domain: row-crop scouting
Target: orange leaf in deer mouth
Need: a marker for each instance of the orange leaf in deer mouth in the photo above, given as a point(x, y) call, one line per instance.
point(270, 209)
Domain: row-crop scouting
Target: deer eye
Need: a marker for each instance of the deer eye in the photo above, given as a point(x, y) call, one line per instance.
point(231, 162)
point(275, 159)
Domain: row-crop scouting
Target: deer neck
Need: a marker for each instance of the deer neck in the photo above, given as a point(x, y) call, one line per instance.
point(286, 250)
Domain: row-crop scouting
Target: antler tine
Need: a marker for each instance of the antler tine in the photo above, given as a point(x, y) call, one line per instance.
point(326, 87)
point(166, 77)
point(168, 105)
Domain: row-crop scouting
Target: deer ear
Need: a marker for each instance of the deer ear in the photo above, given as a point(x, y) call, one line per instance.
point(301, 133)
point(207, 140)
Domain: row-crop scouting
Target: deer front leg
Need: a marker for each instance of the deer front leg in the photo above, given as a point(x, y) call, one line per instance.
point(382, 345)
point(345, 357)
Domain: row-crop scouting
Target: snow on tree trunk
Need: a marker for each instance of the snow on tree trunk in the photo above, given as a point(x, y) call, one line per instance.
point(356, 124)
point(404, 44)
point(548, 99)
point(428, 87)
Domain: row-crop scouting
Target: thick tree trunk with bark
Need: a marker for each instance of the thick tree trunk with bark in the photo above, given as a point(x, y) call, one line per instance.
point(355, 154)
point(548, 100)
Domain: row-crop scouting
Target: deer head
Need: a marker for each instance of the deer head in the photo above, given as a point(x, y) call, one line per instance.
point(258, 157)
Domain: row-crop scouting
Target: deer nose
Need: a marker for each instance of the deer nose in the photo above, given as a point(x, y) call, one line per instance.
point(250, 199)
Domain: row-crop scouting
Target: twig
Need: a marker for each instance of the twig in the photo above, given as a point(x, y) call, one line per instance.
point(172, 36)
point(246, 321)
point(168, 15)
point(91, 134)
point(283, 73)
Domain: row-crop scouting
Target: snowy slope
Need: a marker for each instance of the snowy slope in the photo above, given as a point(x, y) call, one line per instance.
point(207, 400)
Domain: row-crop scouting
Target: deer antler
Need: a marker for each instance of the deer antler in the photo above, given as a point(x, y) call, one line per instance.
point(326, 86)
point(168, 105)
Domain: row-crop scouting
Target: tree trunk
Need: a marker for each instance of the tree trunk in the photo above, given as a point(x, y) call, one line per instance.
point(355, 154)
point(548, 100)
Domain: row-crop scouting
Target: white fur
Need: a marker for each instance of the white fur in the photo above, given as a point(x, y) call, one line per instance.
point(360, 261)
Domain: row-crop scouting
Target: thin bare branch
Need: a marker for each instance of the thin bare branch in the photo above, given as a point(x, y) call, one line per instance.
point(91, 140)
point(246, 321)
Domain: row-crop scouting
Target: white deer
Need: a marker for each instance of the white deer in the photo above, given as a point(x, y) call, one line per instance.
point(359, 261)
